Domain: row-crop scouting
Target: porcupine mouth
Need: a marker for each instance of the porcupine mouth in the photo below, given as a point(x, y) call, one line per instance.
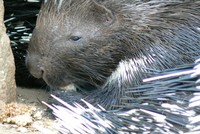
point(58, 83)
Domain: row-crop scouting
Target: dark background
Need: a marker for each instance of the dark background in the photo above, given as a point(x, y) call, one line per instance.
point(20, 17)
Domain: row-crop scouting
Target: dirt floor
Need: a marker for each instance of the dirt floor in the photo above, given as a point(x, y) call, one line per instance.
point(32, 118)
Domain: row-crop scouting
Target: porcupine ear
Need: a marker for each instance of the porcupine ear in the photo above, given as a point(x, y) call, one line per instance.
point(101, 13)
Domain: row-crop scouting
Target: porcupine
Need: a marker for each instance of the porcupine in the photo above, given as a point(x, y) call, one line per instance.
point(106, 47)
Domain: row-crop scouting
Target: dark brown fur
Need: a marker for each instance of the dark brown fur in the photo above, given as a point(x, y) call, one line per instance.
point(105, 46)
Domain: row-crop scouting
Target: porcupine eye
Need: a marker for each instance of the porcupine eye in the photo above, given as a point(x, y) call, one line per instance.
point(75, 38)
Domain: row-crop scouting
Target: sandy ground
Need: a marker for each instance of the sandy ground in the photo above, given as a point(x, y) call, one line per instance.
point(43, 125)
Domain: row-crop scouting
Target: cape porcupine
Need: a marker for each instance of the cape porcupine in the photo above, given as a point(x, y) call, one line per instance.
point(106, 47)
point(169, 103)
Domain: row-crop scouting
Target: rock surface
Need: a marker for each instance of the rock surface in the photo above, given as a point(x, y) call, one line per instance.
point(7, 67)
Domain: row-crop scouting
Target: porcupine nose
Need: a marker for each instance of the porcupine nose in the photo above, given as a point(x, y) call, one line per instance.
point(38, 72)
point(35, 67)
